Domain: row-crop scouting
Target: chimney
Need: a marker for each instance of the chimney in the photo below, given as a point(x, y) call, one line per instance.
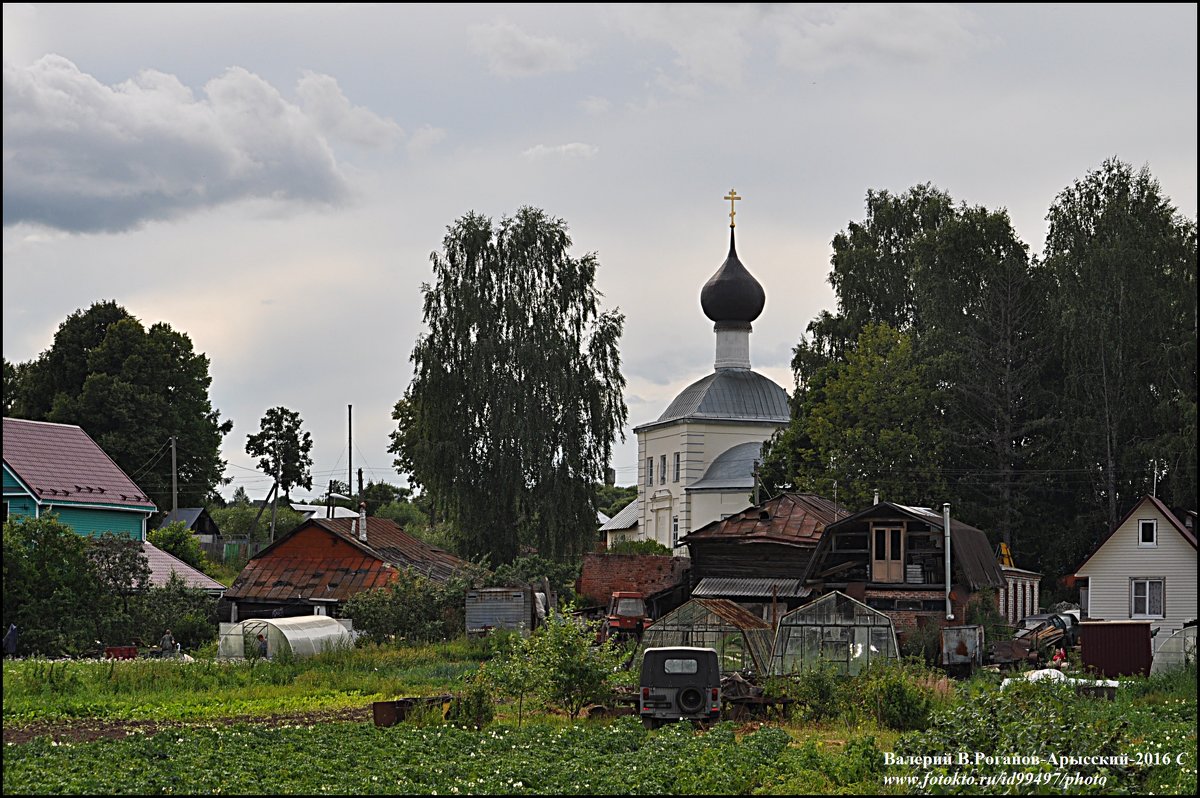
point(362, 521)
point(876, 497)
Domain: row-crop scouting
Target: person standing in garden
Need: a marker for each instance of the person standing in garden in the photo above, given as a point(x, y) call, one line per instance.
point(262, 645)
point(166, 646)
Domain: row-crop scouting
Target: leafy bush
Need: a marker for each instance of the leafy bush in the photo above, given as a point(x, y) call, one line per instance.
point(924, 642)
point(473, 706)
point(531, 568)
point(896, 697)
point(411, 607)
point(572, 671)
point(639, 547)
point(817, 692)
point(178, 541)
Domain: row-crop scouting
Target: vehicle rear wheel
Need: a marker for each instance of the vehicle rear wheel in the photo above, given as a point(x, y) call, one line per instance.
point(691, 699)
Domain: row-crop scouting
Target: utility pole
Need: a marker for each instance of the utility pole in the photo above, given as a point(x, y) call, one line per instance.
point(1154, 490)
point(360, 485)
point(349, 448)
point(175, 479)
point(755, 483)
point(276, 489)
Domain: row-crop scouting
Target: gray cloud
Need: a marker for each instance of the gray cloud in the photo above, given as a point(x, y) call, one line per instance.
point(511, 52)
point(82, 156)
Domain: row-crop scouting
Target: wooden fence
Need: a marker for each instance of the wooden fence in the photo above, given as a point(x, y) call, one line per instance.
point(224, 550)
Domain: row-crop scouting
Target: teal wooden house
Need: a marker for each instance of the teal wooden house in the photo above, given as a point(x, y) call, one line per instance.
point(58, 468)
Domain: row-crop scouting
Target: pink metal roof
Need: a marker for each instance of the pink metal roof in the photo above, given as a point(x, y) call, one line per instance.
point(162, 565)
point(61, 463)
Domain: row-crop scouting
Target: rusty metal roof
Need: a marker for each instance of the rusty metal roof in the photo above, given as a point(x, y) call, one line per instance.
point(61, 463)
point(395, 546)
point(270, 577)
point(282, 579)
point(732, 613)
point(793, 518)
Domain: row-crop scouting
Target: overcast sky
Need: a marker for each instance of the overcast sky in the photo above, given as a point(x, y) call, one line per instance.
point(271, 180)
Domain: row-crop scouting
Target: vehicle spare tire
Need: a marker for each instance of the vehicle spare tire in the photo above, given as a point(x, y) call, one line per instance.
point(691, 699)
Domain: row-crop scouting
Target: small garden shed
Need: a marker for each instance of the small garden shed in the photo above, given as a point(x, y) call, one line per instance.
point(742, 641)
point(301, 636)
point(834, 630)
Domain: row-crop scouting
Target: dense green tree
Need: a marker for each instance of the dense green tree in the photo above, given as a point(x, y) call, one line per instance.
point(873, 268)
point(283, 447)
point(516, 397)
point(613, 498)
point(50, 586)
point(179, 541)
point(131, 389)
point(982, 327)
point(11, 384)
point(246, 522)
point(1123, 263)
point(869, 423)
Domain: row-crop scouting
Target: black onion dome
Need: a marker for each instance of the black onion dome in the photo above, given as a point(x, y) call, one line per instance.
point(732, 294)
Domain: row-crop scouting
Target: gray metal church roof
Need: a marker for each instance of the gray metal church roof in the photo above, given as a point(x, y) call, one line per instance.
point(729, 394)
point(732, 470)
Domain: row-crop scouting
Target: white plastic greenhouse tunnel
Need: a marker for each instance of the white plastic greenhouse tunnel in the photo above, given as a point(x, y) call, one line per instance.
point(1176, 651)
point(301, 636)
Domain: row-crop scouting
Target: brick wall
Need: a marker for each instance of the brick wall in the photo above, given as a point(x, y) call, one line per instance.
point(602, 574)
point(905, 620)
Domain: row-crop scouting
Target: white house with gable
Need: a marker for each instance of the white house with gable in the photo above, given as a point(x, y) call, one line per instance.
point(1145, 569)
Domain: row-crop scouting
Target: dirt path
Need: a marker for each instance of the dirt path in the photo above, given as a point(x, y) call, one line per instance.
point(85, 729)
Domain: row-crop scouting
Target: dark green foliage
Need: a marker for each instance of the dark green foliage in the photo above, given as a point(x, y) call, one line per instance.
point(923, 642)
point(1044, 392)
point(283, 449)
point(130, 388)
point(178, 541)
point(50, 586)
point(473, 705)
point(237, 521)
point(71, 595)
point(895, 696)
point(982, 610)
point(639, 547)
point(818, 694)
point(868, 422)
point(530, 569)
point(516, 397)
point(412, 607)
point(611, 499)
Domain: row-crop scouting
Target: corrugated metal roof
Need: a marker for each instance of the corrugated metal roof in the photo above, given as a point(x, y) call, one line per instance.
point(732, 613)
point(758, 587)
point(626, 518)
point(795, 518)
point(733, 469)
point(162, 565)
point(281, 579)
point(61, 463)
point(729, 394)
point(270, 577)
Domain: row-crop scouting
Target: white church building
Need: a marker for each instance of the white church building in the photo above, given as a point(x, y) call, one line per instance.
point(696, 461)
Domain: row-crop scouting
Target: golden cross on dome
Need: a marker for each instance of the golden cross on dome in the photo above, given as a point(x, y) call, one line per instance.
point(733, 197)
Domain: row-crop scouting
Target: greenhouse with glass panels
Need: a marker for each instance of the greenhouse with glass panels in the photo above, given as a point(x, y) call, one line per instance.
point(835, 631)
point(742, 641)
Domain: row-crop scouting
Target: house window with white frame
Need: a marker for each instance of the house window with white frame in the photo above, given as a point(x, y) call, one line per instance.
point(674, 531)
point(1147, 532)
point(676, 467)
point(649, 471)
point(662, 469)
point(1145, 598)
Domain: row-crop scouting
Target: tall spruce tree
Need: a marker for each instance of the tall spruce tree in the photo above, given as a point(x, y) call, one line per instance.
point(516, 398)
